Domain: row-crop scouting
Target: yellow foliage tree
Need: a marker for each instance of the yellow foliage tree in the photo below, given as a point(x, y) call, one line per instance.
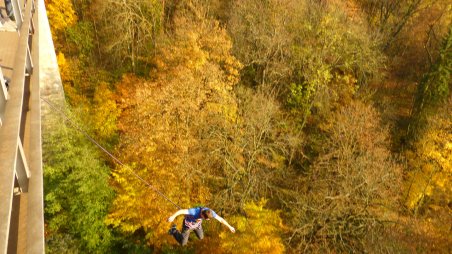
point(258, 232)
point(61, 15)
point(431, 163)
point(137, 205)
point(69, 73)
point(63, 65)
point(105, 112)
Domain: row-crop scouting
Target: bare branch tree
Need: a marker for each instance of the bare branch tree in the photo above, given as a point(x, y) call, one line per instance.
point(129, 28)
point(348, 184)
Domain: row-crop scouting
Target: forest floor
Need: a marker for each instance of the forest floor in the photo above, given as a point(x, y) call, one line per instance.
point(429, 233)
point(394, 99)
point(432, 231)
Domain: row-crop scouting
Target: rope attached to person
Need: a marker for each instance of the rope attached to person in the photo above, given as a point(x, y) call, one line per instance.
point(79, 129)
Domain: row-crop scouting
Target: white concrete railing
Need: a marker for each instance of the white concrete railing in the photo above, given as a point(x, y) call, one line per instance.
point(21, 190)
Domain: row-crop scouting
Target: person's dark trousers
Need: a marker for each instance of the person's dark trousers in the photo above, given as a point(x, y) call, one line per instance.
point(9, 9)
point(182, 237)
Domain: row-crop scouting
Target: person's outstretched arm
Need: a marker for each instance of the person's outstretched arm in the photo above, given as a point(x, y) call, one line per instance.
point(224, 222)
point(182, 211)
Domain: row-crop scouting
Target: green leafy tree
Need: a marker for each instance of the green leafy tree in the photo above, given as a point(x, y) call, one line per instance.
point(312, 52)
point(80, 41)
point(433, 90)
point(333, 57)
point(77, 193)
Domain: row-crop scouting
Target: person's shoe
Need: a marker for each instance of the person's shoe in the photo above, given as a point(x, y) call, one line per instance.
point(172, 230)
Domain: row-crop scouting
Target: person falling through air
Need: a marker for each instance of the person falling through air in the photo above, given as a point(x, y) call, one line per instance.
point(193, 222)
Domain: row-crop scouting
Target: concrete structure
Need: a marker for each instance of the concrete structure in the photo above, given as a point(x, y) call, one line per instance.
point(28, 67)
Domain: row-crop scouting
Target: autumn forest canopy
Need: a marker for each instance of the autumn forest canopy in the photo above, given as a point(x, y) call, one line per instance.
point(312, 126)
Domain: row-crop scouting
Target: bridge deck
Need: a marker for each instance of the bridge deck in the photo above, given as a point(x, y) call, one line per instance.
point(9, 42)
point(21, 209)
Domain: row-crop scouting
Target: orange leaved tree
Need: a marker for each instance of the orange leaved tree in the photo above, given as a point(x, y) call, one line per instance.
point(165, 122)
